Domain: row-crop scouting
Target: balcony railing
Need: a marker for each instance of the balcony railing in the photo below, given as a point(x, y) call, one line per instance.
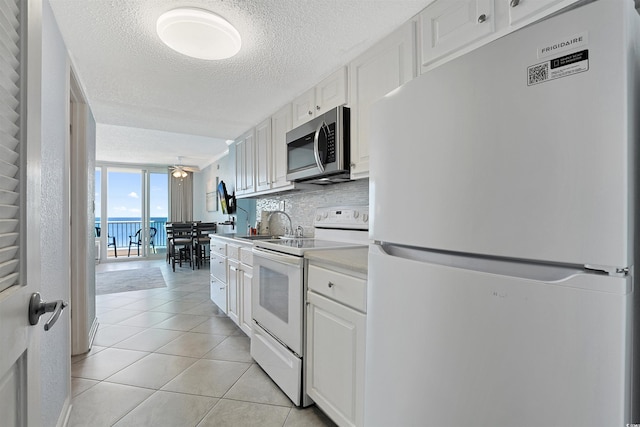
point(121, 230)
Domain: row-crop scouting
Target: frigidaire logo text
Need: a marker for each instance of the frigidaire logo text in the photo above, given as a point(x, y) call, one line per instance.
point(562, 44)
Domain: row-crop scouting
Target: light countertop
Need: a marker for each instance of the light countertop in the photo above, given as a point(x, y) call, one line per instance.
point(354, 259)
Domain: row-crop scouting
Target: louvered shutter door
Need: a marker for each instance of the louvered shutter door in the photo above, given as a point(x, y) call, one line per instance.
point(9, 142)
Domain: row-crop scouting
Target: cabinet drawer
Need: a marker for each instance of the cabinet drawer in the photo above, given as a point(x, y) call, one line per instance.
point(218, 266)
point(346, 289)
point(246, 256)
point(218, 247)
point(233, 251)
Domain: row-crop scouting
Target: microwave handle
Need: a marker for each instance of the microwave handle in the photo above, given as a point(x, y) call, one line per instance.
point(316, 146)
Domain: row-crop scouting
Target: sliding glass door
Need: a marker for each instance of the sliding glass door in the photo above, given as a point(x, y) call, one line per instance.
point(158, 212)
point(133, 205)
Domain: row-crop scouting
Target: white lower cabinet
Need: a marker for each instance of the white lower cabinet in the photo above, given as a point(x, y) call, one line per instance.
point(245, 320)
point(218, 273)
point(239, 276)
point(233, 291)
point(218, 292)
point(335, 352)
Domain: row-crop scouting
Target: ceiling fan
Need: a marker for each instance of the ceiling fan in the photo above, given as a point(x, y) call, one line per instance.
point(180, 170)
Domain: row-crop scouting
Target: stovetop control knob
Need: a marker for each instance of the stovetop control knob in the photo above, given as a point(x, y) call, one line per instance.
point(356, 214)
point(365, 217)
point(325, 214)
point(318, 217)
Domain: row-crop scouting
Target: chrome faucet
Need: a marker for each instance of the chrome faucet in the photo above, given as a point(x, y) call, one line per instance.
point(286, 231)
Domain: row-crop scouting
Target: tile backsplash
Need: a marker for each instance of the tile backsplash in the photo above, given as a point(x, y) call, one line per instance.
point(301, 205)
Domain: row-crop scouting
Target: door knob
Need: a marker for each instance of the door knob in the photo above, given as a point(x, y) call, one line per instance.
point(38, 307)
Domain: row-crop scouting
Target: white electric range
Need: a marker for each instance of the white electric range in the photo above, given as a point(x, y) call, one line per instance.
point(278, 292)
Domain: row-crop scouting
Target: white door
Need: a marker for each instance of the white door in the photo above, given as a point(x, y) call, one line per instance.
point(233, 298)
point(547, 347)
point(486, 178)
point(263, 155)
point(381, 69)
point(276, 295)
point(449, 26)
point(19, 211)
point(280, 125)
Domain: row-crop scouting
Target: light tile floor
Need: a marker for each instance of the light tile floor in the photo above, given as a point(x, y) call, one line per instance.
point(169, 357)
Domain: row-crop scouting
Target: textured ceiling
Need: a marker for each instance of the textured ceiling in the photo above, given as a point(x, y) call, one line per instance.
point(132, 80)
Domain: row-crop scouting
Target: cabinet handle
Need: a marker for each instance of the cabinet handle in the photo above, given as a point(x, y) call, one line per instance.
point(317, 107)
point(482, 18)
point(330, 284)
point(514, 3)
point(310, 113)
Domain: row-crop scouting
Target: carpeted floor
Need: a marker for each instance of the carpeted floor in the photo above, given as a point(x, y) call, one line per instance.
point(109, 282)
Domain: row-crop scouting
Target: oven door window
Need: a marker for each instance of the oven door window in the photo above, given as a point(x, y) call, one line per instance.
point(276, 297)
point(274, 293)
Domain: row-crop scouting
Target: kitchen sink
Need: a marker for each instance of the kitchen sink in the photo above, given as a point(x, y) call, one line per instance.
point(258, 237)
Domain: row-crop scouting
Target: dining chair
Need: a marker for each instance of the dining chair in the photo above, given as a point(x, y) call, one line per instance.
point(180, 238)
point(200, 241)
point(136, 239)
point(111, 241)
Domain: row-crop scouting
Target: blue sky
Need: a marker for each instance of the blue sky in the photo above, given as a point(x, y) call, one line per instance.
point(125, 194)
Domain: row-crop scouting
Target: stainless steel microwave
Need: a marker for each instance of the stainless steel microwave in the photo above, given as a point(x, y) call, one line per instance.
point(319, 151)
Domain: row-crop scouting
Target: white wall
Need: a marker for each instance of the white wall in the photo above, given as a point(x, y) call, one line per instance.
point(55, 349)
point(205, 181)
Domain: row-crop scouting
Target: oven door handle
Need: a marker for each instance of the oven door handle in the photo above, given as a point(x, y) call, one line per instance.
point(316, 146)
point(273, 256)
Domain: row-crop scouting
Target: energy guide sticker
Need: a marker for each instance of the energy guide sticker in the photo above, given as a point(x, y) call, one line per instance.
point(563, 66)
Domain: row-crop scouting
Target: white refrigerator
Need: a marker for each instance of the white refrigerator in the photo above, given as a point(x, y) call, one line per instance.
point(503, 194)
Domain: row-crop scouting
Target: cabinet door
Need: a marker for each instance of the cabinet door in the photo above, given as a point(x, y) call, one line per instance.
point(335, 359)
point(245, 312)
point(280, 125)
point(386, 66)
point(304, 108)
point(263, 155)
point(520, 10)
point(249, 165)
point(232, 292)
point(245, 176)
point(447, 26)
point(241, 177)
point(332, 91)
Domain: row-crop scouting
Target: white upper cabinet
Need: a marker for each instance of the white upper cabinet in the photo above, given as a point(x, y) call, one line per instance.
point(450, 28)
point(332, 91)
point(280, 125)
point(447, 26)
point(245, 177)
point(386, 66)
point(329, 93)
point(304, 107)
point(520, 10)
point(263, 155)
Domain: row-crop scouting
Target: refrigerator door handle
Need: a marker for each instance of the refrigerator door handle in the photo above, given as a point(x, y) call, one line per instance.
point(545, 274)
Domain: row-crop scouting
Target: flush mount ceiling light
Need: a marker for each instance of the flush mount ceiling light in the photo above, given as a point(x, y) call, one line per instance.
point(198, 33)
